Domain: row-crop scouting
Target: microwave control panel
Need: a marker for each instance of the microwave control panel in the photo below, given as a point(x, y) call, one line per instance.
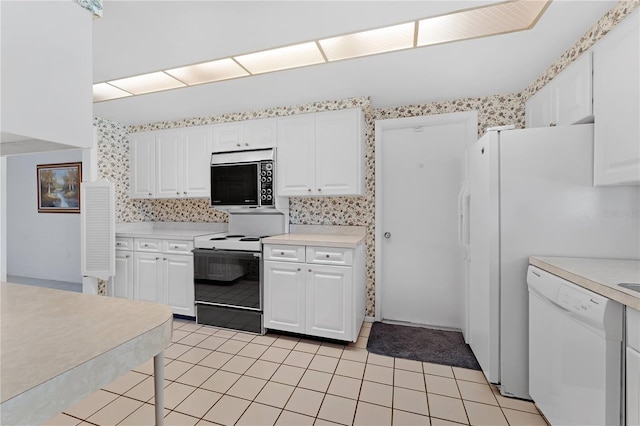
point(266, 183)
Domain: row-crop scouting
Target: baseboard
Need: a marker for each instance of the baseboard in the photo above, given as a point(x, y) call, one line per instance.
point(369, 319)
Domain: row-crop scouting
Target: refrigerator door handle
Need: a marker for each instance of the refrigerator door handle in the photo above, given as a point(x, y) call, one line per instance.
point(463, 219)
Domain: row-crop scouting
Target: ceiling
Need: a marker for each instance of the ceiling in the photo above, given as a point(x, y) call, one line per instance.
point(136, 37)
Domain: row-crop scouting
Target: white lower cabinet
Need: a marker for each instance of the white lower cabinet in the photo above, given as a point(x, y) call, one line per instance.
point(329, 301)
point(159, 271)
point(306, 292)
point(284, 296)
point(147, 283)
point(122, 282)
point(178, 283)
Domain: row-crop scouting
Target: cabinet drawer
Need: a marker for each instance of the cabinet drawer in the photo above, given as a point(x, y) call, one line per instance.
point(147, 244)
point(178, 246)
point(124, 243)
point(284, 252)
point(330, 255)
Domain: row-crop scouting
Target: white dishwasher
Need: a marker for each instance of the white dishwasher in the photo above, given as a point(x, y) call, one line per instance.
point(575, 352)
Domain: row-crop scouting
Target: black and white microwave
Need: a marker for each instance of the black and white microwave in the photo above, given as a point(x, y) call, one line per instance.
point(243, 178)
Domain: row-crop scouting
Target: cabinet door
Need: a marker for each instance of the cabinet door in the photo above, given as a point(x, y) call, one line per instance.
point(227, 137)
point(616, 96)
point(339, 153)
point(539, 109)
point(260, 133)
point(284, 296)
point(296, 156)
point(169, 164)
point(572, 92)
point(196, 160)
point(123, 280)
point(148, 284)
point(179, 286)
point(142, 164)
point(330, 301)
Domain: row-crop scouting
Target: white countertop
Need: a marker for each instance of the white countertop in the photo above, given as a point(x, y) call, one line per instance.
point(168, 230)
point(59, 346)
point(598, 275)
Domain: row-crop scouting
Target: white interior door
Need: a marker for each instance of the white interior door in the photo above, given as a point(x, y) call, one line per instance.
point(419, 172)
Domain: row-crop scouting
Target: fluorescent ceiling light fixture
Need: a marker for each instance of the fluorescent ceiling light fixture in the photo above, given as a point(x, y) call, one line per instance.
point(364, 43)
point(492, 19)
point(282, 58)
point(146, 83)
point(105, 91)
point(222, 69)
point(480, 22)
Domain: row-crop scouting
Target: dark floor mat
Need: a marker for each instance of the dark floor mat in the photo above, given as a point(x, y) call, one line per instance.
point(421, 344)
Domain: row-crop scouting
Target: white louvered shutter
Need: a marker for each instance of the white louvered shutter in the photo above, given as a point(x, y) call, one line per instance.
point(98, 229)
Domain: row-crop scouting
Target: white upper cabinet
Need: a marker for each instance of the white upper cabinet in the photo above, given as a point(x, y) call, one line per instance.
point(567, 99)
point(143, 164)
point(296, 155)
point(171, 163)
point(168, 164)
point(243, 135)
point(196, 156)
point(616, 91)
point(321, 154)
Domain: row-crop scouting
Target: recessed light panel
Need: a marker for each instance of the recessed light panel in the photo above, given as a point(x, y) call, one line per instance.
point(152, 82)
point(105, 91)
point(364, 43)
point(484, 21)
point(222, 69)
point(282, 58)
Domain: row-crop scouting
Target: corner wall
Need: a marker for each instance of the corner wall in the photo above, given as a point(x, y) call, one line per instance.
point(39, 245)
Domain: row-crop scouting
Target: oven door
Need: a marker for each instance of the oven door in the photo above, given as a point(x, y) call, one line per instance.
point(235, 184)
point(228, 278)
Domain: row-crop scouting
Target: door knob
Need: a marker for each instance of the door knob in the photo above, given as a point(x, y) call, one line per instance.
point(387, 234)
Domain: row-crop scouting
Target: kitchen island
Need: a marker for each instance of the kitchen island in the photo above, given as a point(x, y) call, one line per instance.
point(58, 347)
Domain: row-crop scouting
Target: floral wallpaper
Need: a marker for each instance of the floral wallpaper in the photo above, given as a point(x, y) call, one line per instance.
point(113, 148)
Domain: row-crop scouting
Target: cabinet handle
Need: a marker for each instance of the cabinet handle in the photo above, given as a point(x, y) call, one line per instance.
point(327, 256)
point(281, 253)
point(150, 194)
point(246, 144)
point(552, 124)
point(319, 189)
point(146, 245)
point(126, 256)
point(237, 144)
point(177, 193)
point(157, 258)
point(185, 192)
point(299, 269)
point(175, 246)
point(118, 244)
point(309, 270)
point(309, 189)
point(164, 258)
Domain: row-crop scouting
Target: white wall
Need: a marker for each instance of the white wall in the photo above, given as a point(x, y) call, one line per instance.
point(47, 72)
point(40, 245)
point(3, 219)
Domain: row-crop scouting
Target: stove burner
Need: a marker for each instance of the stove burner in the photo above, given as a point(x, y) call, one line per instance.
point(235, 236)
point(250, 239)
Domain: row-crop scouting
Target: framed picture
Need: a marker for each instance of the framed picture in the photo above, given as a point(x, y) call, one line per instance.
point(59, 187)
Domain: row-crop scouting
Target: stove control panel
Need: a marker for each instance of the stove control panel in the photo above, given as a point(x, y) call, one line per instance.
point(266, 183)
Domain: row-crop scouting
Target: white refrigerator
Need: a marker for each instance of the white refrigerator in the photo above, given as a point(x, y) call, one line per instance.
point(531, 193)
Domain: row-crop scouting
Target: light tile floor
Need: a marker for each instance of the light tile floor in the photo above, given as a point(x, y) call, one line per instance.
point(215, 376)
